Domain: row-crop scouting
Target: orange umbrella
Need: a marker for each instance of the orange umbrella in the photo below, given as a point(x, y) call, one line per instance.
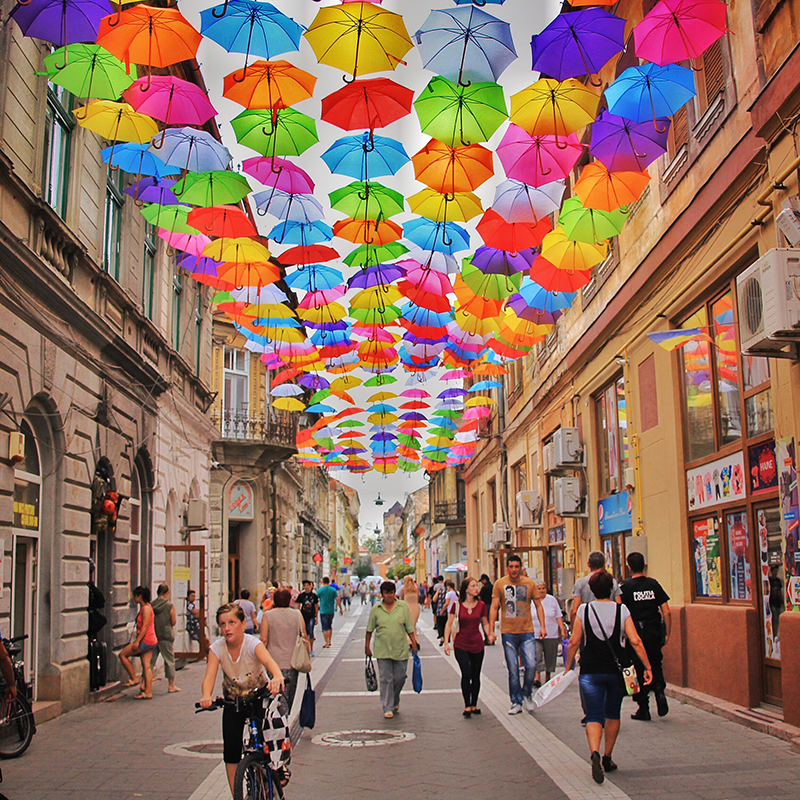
point(602, 190)
point(449, 169)
point(269, 84)
point(367, 231)
point(253, 273)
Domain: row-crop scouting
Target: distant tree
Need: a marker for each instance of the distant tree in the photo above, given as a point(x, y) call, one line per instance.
point(374, 544)
point(363, 568)
point(401, 570)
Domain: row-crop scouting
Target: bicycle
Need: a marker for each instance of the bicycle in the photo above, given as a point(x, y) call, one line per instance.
point(17, 724)
point(255, 777)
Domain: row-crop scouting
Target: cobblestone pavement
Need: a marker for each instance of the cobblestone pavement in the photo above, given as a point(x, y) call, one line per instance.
point(161, 750)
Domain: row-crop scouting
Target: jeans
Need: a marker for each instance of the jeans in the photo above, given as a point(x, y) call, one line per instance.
point(392, 677)
point(514, 646)
point(602, 696)
point(470, 664)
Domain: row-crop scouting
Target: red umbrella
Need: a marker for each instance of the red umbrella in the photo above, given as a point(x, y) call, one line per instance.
point(511, 236)
point(307, 254)
point(367, 103)
point(223, 221)
point(550, 277)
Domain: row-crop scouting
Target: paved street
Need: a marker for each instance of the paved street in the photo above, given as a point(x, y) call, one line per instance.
point(125, 749)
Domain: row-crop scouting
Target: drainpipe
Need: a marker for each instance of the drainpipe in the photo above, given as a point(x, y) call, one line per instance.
point(501, 426)
point(273, 571)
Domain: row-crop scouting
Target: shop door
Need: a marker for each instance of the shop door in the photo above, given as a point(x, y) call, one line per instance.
point(771, 595)
point(614, 551)
point(233, 563)
point(24, 608)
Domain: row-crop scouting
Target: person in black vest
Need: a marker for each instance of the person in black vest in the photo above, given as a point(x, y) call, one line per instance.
point(649, 606)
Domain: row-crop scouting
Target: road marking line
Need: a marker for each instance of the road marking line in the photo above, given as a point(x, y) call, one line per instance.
point(375, 694)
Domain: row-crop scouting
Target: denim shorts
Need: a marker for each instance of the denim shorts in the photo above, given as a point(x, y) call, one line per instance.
point(145, 648)
point(326, 620)
point(602, 696)
point(310, 623)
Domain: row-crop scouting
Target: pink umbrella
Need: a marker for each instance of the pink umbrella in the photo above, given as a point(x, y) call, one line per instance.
point(280, 173)
point(172, 100)
point(456, 374)
point(676, 30)
point(537, 160)
point(414, 393)
point(477, 412)
point(185, 242)
point(323, 297)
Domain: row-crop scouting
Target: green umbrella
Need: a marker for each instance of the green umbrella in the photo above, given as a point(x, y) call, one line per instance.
point(90, 71)
point(320, 395)
point(460, 115)
point(434, 455)
point(216, 188)
point(444, 412)
point(368, 255)
point(408, 441)
point(588, 224)
point(492, 286)
point(408, 466)
point(375, 316)
point(170, 218)
point(446, 433)
point(367, 200)
point(350, 423)
point(380, 380)
point(275, 131)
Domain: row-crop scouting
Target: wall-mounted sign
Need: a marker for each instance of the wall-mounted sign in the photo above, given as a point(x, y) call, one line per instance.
point(557, 535)
point(406, 560)
point(720, 481)
point(614, 513)
point(240, 502)
point(763, 467)
point(316, 558)
point(348, 560)
point(26, 505)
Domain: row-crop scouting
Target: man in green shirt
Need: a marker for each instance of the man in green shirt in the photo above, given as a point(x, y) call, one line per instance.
point(391, 621)
point(328, 600)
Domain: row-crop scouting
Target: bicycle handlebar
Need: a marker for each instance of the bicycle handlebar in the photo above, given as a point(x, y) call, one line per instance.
point(218, 703)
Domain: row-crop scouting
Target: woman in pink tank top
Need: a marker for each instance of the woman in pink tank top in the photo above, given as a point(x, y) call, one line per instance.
point(142, 645)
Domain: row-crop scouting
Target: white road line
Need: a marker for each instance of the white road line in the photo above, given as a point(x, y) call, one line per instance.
point(353, 660)
point(563, 766)
point(405, 694)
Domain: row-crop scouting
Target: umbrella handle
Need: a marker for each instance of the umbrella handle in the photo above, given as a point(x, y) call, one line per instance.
point(158, 146)
point(244, 75)
point(280, 241)
point(653, 109)
point(221, 15)
point(112, 23)
point(369, 145)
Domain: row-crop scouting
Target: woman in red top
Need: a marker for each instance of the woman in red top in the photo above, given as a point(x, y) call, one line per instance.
point(142, 645)
point(469, 641)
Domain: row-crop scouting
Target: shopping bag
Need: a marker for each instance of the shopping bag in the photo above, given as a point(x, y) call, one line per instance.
point(416, 674)
point(554, 687)
point(371, 677)
point(308, 708)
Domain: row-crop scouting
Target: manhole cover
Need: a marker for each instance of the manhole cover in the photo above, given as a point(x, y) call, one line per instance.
point(362, 738)
point(202, 749)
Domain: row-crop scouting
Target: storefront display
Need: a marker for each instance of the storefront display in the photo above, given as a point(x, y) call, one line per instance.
point(790, 518)
point(707, 561)
point(739, 556)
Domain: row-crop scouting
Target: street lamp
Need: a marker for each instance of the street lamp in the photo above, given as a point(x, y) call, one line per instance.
point(378, 500)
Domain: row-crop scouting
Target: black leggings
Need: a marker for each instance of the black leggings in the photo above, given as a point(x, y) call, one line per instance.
point(233, 731)
point(470, 664)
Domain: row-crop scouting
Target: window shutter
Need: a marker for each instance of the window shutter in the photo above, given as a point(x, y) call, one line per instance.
point(713, 72)
point(679, 131)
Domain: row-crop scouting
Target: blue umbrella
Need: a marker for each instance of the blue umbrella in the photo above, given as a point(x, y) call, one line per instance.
point(466, 45)
point(579, 43)
point(330, 338)
point(485, 386)
point(136, 159)
point(302, 233)
point(320, 408)
point(358, 157)
point(649, 91)
point(531, 295)
point(314, 277)
point(441, 237)
point(381, 408)
point(190, 149)
point(289, 206)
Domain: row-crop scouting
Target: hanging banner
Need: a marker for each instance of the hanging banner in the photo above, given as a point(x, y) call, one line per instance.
point(790, 520)
point(240, 502)
point(720, 481)
point(763, 467)
point(614, 513)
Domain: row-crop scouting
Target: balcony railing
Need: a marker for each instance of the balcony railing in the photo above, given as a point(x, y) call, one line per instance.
point(448, 513)
point(255, 427)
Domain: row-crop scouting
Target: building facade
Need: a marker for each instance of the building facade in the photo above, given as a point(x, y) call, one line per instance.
point(446, 541)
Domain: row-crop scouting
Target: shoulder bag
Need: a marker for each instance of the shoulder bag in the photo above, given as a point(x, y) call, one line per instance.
point(627, 672)
point(456, 626)
point(308, 707)
point(370, 676)
point(301, 658)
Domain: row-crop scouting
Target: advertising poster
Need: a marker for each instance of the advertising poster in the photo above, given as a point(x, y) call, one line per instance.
point(772, 646)
point(708, 580)
point(614, 513)
point(790, 518)
point(720, 481)
point(763, 467)
point(738, 550)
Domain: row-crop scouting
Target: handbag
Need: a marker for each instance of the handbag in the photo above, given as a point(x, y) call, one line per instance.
point(301, 659)
point(371, 677)
point(308, 708)
point(416, 673)
point(456, 626)
point(627, 672)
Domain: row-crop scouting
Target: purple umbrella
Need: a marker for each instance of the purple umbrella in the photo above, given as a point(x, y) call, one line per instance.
point(626, 146)
point(61, 22)
point(455, 391)
point(313, 382)
point(414, 415)
point(150, 190)
point(492, 261)
point(377, 275)
point(579, 43)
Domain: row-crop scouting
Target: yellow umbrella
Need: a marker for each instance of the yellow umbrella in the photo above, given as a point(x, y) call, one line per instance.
point(359, 38)
point(267, 310)
point(117, 122)
point(332, 312)
point(457, 207)
point(377, 297)
point(566, 254)
point(347, 382)
point(288, 403)
point(379, 397)
point(386, 467)
point(480, 400)
point(382, 419)
point(554, 107)
point(236, 251)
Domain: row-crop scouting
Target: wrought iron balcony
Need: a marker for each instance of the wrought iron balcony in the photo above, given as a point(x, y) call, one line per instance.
point(450, 513)
point(245, 426)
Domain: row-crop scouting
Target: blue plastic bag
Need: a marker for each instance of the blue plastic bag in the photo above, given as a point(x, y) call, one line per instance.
point(416, 674)
point(308, 708)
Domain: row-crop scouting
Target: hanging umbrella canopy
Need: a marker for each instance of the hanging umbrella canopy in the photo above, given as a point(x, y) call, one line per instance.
point(677, 30)
point(280, 174)
point(223, 221)
point(170, 99)
point(465, 45)
point(587, 224)
point(532, 296)
point(117, 122)
point(367, 200)
point(61, 22)
point(308, 254)
point(449, 169)
point(489, 286)
point(460, 207)
point(537, 160)
point(367, 103)
point(358, 38)
point(365, 156)
point(549, 277)
point(460, 115)
point(580, 43)
point(191, 149)
point(153, 190)
point(623, 145)
point(367, 231)
point(492, 261)
point(170, 218)
point(436, 237)
point(88, 70)
point(552, 107)
point(189, 243)
point(213, 188)
point(269, 84)
point(512, 236)
point(276, 131)
point(568, 254)
point(287, 205)
point(516, 201)
point(367, 255)
point(136, 159)
point(236, 251)
point(606, 191)
point(314, 277)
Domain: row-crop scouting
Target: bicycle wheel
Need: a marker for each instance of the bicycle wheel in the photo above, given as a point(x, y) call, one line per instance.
point(16, 728)
point(252, 781)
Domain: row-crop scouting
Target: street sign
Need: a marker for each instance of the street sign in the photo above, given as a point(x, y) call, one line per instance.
point(316, 558)
point(406, 560)
point(348, 560)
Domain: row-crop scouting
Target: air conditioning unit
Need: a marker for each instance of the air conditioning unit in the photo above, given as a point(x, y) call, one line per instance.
point(530, 509)
point(500, 533)
point(548, 458)
point(567, 449)
point(768, 294)
point(300, 530)
point(488, 542)
point(197, 514)
point(569, 500)
point(289, 528)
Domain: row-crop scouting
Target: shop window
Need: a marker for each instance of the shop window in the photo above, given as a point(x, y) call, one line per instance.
point(149, 270)
point(707, 558)
point(236, 392)
point(112, 220)
point(613, 442)
point(58, 127)
point(759, 416)
point(739, 567)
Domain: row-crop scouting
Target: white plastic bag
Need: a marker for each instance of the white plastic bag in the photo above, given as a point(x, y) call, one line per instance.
point(554, 687)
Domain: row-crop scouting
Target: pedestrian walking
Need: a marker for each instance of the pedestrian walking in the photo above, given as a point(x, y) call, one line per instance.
point(373, 594)
point(486, 595)
point(648, 603)
point(245, 663)
point(468, 642)
point(776, 602)
point(142, 645)
point(280, 627)
point(308, 603)
point(547, 648)
point(514, 597)
point(165, 621)
point(390, 621)
point(600, 631)
point(439, 606)
point(363, 590)
point(249, 608)
point(192, 616)
point(347, 593)
point(409, 594)
point(581, 592)
point(328, 601)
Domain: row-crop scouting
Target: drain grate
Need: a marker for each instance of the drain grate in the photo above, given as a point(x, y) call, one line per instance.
point(362, 738)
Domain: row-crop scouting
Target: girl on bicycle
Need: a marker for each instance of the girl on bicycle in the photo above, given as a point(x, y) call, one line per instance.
point(245, 663)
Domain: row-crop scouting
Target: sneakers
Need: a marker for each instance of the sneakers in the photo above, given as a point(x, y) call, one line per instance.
point(661, 703)
point(597, 768)
point(529, 704)
point(516, 708)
